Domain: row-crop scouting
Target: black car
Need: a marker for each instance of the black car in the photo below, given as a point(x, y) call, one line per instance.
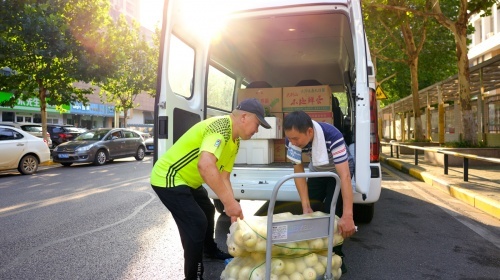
point(99, 146)
point(62, 133)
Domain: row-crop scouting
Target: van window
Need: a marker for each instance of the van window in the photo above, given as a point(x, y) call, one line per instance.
point(220, 89)
point(181, 67)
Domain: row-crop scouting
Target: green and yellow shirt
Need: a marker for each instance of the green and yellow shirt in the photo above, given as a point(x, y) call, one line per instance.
point(179, 165)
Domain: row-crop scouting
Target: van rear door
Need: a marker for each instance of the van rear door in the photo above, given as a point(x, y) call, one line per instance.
point(183, 57)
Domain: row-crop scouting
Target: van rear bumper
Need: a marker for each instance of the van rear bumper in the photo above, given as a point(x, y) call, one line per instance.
point(258, 184)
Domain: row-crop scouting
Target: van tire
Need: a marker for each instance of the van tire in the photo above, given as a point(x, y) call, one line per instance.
point(219, 206)
point(363, 213)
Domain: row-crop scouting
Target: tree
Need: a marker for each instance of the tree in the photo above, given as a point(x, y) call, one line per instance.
point(405, 35)
point(136, 65)
point(51, 45)
point(455, 15)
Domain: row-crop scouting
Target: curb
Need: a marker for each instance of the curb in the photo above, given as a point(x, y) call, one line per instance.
point(475, 200)
point(48, 163)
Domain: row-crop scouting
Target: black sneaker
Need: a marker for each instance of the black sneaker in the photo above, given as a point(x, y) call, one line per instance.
point(217, 254)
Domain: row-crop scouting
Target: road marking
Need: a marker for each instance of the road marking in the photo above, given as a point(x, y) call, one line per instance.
point(19, 260)
point(23, 207)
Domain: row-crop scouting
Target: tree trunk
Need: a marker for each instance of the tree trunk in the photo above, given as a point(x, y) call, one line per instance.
point(464, 91)
point(125, 114)
point(416, 102)
point(412, 53)
point(42, 94)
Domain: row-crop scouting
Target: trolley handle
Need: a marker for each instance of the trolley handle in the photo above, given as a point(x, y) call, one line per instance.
point(270, 211)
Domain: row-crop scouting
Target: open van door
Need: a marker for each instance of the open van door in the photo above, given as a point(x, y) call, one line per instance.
point(183, 46)
point(362, 102)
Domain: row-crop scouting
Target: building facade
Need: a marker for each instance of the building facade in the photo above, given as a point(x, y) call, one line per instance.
point(96, 113)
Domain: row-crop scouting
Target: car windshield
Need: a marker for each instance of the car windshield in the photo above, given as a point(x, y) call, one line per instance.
point(93, 135)
point(72, 129)
point(32, 128)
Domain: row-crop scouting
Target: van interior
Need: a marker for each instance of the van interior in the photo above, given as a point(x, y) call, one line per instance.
point(290, 50)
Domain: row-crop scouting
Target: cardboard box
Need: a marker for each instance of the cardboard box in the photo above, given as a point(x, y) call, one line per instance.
point(279, 150)
point(325, 116)
point(271, 98)
point(275, 132)
point(312, 98)
point(255, 152)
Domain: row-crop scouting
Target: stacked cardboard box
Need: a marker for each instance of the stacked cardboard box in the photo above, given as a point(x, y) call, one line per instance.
point(270, 98)
point(311, 98)
point(316, 101)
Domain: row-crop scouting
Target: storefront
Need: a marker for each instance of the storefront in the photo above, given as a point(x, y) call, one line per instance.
point(91, 116)
point(29, 111)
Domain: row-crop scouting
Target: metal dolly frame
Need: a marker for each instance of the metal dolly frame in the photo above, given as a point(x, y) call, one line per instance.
point(297, 230)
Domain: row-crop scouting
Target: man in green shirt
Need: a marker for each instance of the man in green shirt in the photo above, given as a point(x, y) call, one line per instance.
point(204, 154)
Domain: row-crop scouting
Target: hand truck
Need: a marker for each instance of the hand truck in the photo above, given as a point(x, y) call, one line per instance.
point(305, 229)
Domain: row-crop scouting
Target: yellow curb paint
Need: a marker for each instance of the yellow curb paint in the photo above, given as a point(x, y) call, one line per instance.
point(463, 195)
point(396, 164)
point(417, 174)
point(488, 205)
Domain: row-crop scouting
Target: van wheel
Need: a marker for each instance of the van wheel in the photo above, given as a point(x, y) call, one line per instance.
point(363, 213)
point(219, 206)
point(100, 157)
point(28, 165)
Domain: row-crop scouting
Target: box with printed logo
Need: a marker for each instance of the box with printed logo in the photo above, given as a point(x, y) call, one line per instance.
point(311, 98)
point(270, 98)
point(325, 116)
point(279, 150)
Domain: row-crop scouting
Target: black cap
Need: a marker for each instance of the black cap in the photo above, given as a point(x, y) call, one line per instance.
point(253, 106)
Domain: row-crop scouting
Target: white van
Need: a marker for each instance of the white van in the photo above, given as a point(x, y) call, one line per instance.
point(207, 57)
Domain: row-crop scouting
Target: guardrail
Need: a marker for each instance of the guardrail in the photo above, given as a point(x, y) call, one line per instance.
point(445, 153)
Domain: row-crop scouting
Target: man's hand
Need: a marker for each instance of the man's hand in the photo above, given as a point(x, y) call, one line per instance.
point(233, 210)
point(346, 226)
point(307, 209)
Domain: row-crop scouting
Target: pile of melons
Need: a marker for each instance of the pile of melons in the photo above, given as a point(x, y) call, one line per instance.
point(293, 260)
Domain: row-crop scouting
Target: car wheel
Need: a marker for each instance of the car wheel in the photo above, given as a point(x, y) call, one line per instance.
point(66, 163)
point(363, 213)
point(28, 165)
point(139, 155)
point(100, 157)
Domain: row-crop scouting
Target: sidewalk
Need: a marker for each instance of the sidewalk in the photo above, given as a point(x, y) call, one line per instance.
point(482, 191)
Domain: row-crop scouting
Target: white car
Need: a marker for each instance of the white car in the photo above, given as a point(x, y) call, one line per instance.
point(34, 129)
point(21, 150)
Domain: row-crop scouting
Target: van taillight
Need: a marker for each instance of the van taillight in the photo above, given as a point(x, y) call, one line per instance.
point(374, 141)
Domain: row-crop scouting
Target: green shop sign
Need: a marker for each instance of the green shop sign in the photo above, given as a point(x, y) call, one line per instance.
point(33, 104)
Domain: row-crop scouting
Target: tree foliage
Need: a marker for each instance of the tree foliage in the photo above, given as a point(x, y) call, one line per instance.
point(453, 15)
point(50, 45)
point(136, 64)
point(403, 37)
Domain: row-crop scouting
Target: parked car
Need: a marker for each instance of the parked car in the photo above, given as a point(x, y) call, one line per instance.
point(62, 133)
point(150, 145)
point(21, 150)
point(148, 141)
point(34, 129)
point(99, 146)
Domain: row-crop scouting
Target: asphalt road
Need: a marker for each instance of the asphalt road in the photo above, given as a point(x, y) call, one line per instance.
point(88, 222)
